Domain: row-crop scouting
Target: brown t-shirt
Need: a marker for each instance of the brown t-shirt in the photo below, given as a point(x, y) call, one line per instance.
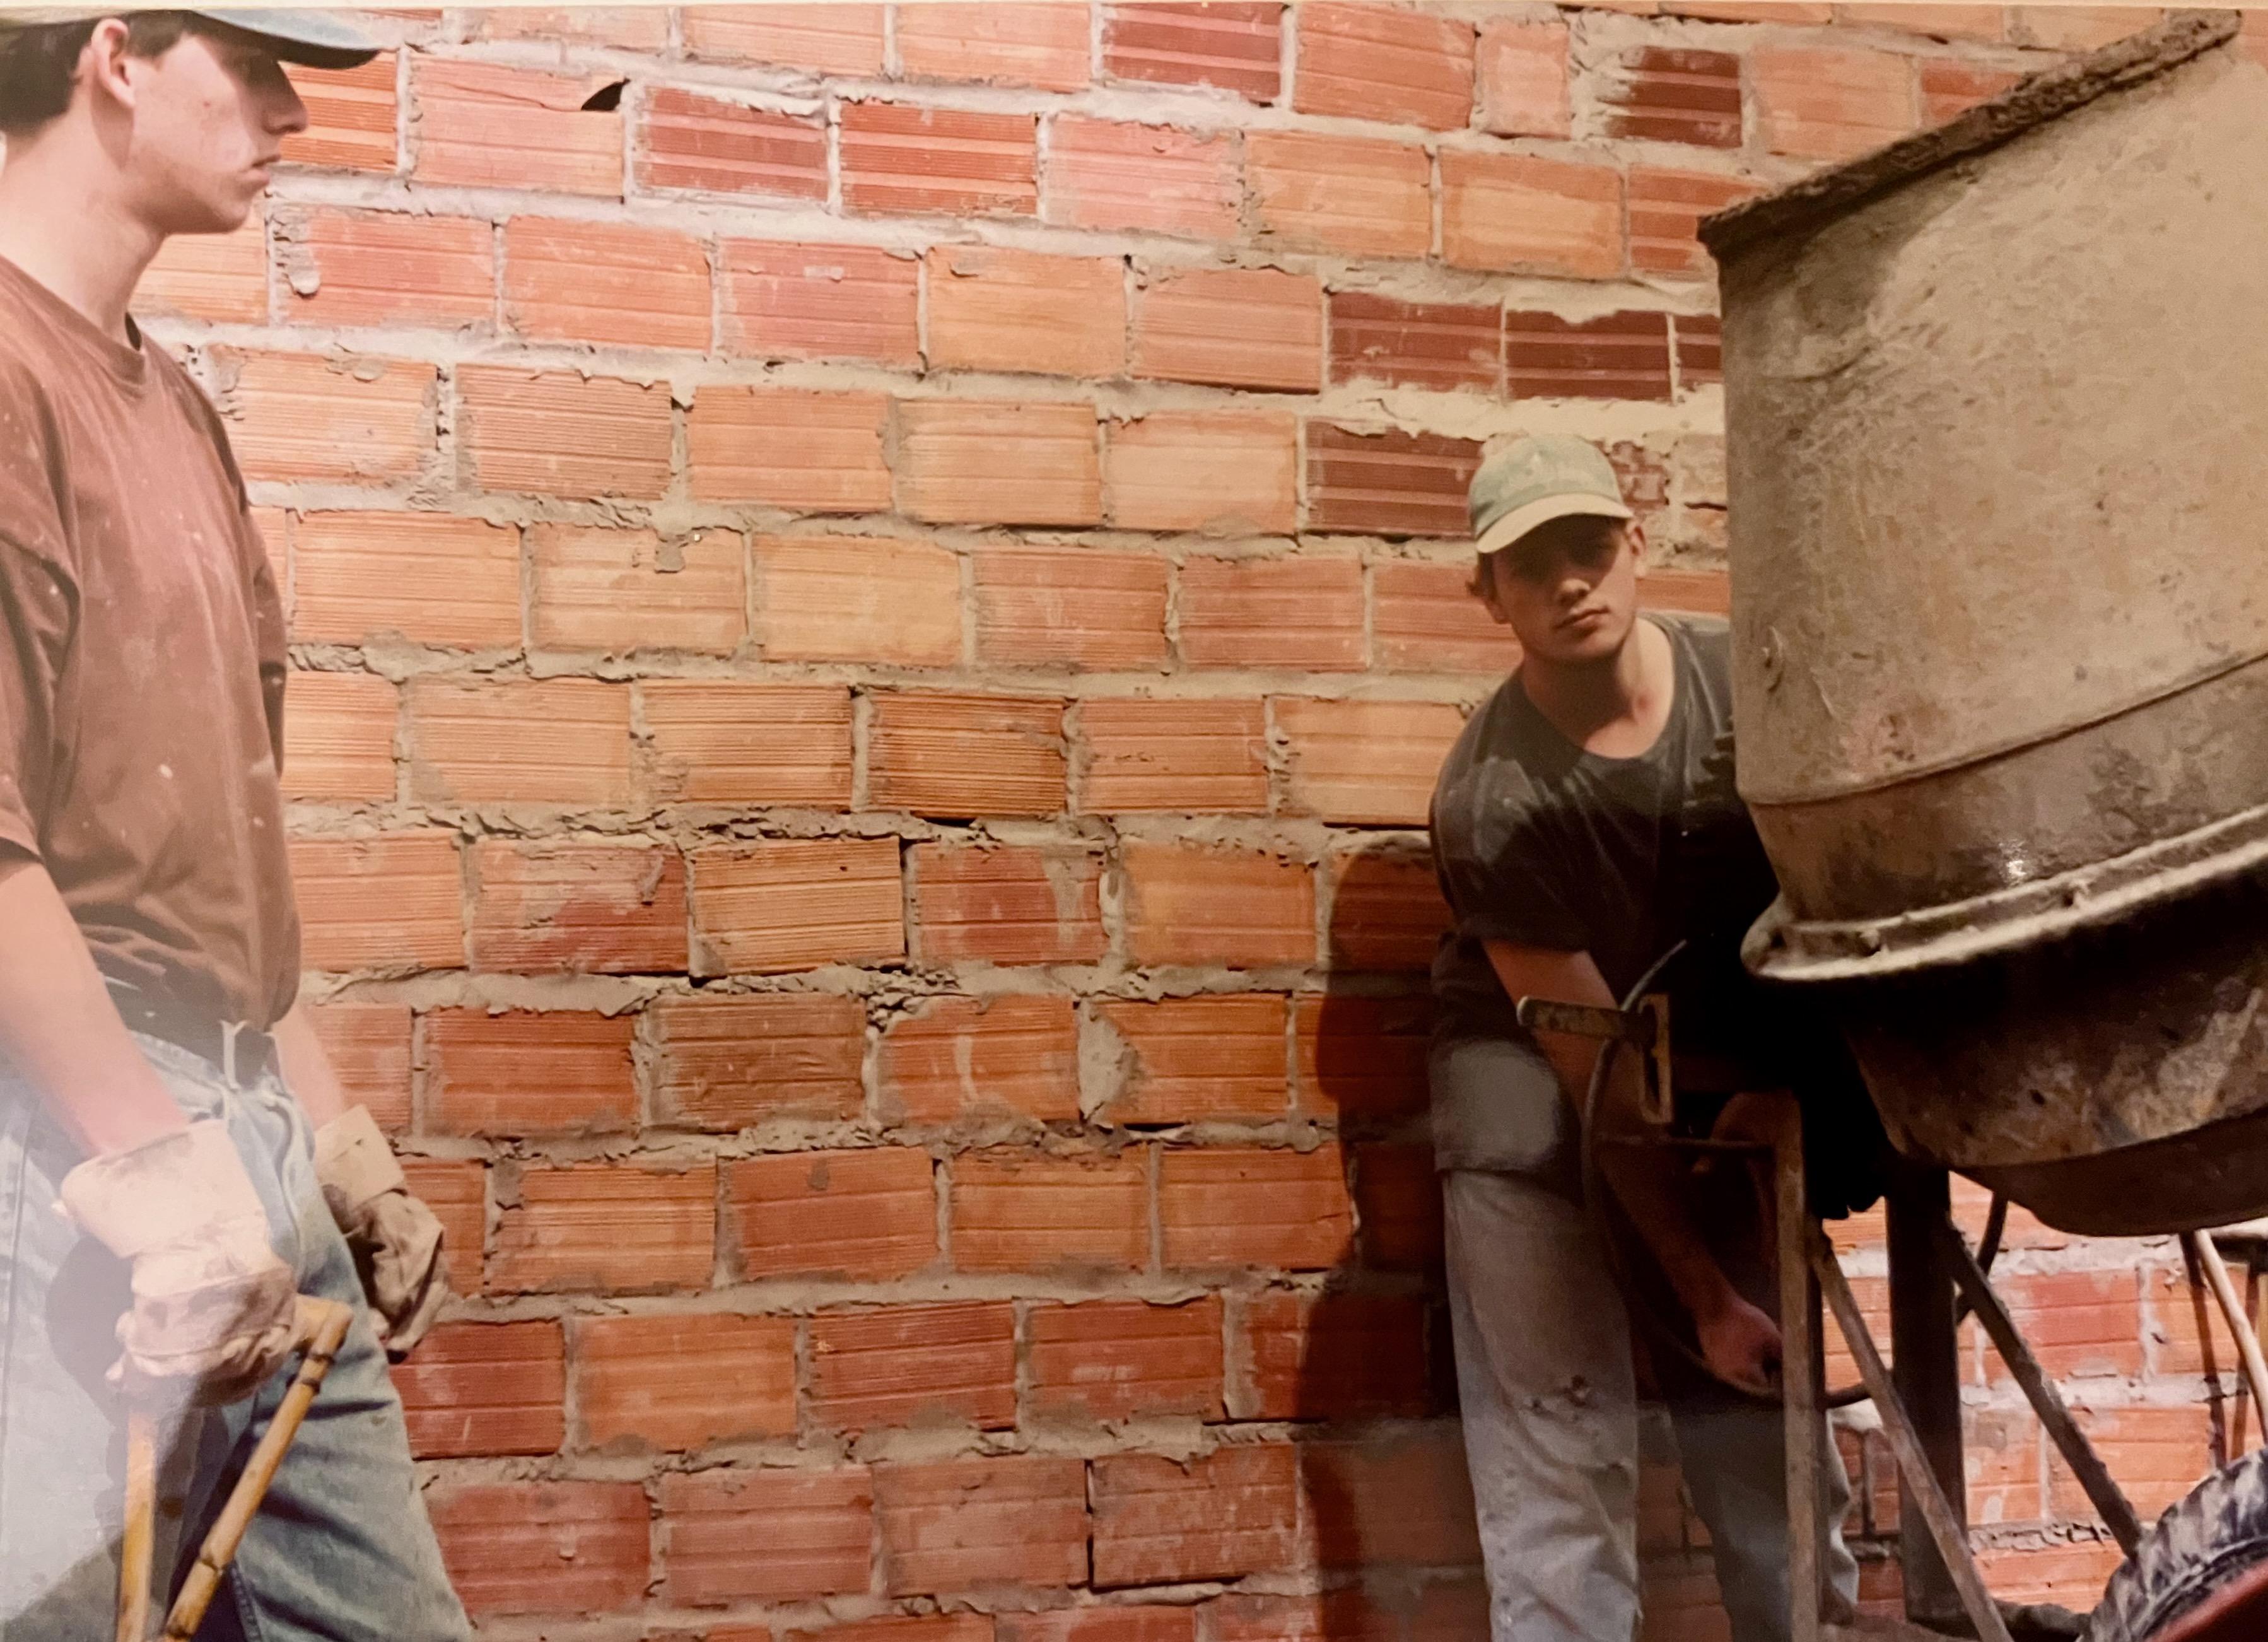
point(142, 663)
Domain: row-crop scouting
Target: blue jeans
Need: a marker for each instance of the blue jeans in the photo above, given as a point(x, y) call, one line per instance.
point(342, 1549)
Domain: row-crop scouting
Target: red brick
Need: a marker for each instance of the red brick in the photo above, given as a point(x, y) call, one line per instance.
point(959, 756)
point(1361, 1057)
point(1404, 1499)
point(387, 268)
point(611, 1228)
point(770, 907)
point(1103, 173)
point(1618, 355)
point(810, 453)
point(897, 158)
point(210, 277)
point(995, 309)
point(458, 1194)
point(1700, 350)
point(1235, 47)
point(619, 283)
point(678, 1383)
point(1236, 328)
point(1522, 73)
point(556, 433)
point(1175, 756)
point(1191, 1060)
point(1518, 213)
point(769, 1534)
point(1221, 472)
point(1001, 42)
point(958, 1525)
point(563, 741)
point(1399, 1199)
point(543, 1548)
point(2085, 28)
point(2158, 1454)
point(1346, 1615)
point(1364, 196)
point(824, 38)
point(1665, 208)
point(1820, 104)
point(858, 598)
point(1364, 762)
point(2001, 1450)
point(1272, 612)
point(625, 28)
point(1872, 1295)
point(390, 901)
point(1122, 1360)
point(1160, 1522)
point(1007, 904)
point(1387, 912)
point(1331, 1357)
point(1961, 21)
point(1682, 1604)
point(997, 461)
point(350, 116)
point(730, 1060)
point(351, 420)
point(338, 738)
point(2186, 1331)
point(982, 1057)
point(1019, 1211)
point(700, 751)
point(1389, 483)
point(1787, 12)
point(524, 1073)
point(709, 145)
point(1384, 62)
point(1078, 608)
point(869, 1214)
point(368, 1046)
point(1425, 618)
point(1951, 87)
point(1417, 344)
point(1189, 904)
point(622, 592)
point(484, 125)
point(2072, 1574)
point(606, 909)
point(2078, 1323)
point(878, 1366)
point(786, 301)
point(480, 1388)
point(914, 1628)
point(423, 576)
point(1674, 94)
point(1238, 1206)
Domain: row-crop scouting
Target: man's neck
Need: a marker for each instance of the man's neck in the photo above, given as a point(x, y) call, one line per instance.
point(74, 240)
point(1614, 705)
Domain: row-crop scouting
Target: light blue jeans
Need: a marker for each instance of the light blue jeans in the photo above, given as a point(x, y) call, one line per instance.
point(341, 1550)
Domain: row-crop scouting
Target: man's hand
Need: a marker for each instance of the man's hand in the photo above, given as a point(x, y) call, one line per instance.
point(1740, 1344)
point(212, 1312)
point(395, 1238)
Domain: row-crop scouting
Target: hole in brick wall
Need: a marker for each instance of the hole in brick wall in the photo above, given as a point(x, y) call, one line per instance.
point(606, 99)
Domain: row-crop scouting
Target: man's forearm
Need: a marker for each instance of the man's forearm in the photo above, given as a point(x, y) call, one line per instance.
point(308, 1069)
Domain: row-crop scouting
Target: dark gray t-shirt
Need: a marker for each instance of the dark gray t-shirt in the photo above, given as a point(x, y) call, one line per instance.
point(1538, 842)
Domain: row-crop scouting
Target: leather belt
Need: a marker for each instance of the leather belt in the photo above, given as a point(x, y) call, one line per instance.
point(241, 1053)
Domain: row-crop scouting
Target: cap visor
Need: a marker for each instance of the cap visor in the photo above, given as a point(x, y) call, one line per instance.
point(317, 39)
point(1518, 523)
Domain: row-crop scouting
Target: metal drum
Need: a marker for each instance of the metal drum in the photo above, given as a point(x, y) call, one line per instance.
point(1996, 415)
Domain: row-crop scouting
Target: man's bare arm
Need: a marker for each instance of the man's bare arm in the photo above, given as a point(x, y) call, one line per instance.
point(308, 1069)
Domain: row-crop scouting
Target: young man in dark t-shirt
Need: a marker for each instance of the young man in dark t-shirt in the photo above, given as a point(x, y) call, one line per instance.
point(1554, 819)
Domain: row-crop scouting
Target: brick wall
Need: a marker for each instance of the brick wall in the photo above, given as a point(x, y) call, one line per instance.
point(876, 594)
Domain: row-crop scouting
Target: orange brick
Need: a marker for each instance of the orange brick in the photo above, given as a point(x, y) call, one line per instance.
point(625, 28)
point(1237, 327)
point(953, 1525)
point(1616, 356)
point(1332, 1357)
point(1122, 1359)
point(960, 1627)
point(1242, 1206)
point(785, 301)
point(2078, 1323)
point(1386, 912)
point(626, 590)
point(1522, 71)
point(1389, 483)
point(858, 598)
point(1179, 756)
point(558, 432)
point(543, 1548)
point(1225, 471)
point(1403, 1499)
point(1361, 195)
point(709, 145)
point(995, 461)
point(596, 907)
point(1000, 42)
point(423, 576)
point(525, 1074)
point(1425, 618)
point(729, 1060)
point(866, 1214)
point(1235, 47)
point(897, 158)
point(368, 1046)
point(1517, 213)
point(1193, 1060)
point(698, 732)
point(1186, 904)
point(1108, 174)
point(812, 453)
point(1364, 762)
point(350, 116)
point(679, 1382)
point(1681, 1603)
point(876, 1367)
point(995, 309)
point(1830, 105)
point(1666, 207)
point(1428, 344)
point(2001, 1452)
point(372, 268)
point(784, 904)
point(1007, 904)
point(1272, 612)
point(1920, 17)
point(1399, 1199)
point(1384, 62)
point(606, 1228)
point(769, 1534)
point(2188, 1335)
point(962, 755)
point(1017, 1212)
point(824, 38)
point(2158, 1454)
point(1787, 12)
point(617, 282)
point(1078, 608)
point(982, 1057)
point(338, 738)
point(1161, 1521)
point(481, 1389)
point(210, 277)
point(1360, 1058)
point(1950, 87)
point(391, 901)
point(1346, 1615)
point(458, 1194)
point(347, 419)
point(2084, 27)
point(484, 125)
point(2072, 1573)
point(564, 741)
point(1673, 94)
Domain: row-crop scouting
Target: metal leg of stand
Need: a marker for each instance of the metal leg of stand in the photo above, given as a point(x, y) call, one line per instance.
point(1801, 1373)
point(1924, 1353)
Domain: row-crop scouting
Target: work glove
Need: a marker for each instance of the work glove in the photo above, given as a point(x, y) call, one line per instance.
point(212, 1312)
point(395, 1240)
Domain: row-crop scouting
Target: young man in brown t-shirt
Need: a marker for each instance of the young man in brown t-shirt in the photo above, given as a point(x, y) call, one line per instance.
point(160, 1083)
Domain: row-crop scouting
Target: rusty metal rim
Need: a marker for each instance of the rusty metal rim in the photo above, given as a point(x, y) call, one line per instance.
point(1784, 947)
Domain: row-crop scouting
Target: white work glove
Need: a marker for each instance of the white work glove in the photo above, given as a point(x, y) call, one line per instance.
point(395, 1239)
point(213, 1306)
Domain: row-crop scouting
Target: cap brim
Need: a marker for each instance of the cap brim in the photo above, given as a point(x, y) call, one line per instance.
point(317, 39)
point(1519, 522)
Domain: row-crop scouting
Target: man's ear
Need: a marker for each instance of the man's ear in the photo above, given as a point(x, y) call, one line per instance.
point(106, 63)
point(1483, 588)
point(1634, 533)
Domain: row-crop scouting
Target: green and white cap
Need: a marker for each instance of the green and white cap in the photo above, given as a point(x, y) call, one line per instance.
point(320, 39)
point(1536, 481)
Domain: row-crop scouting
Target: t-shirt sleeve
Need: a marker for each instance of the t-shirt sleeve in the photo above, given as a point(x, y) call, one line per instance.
point(35, 606)
point(1502, 882)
